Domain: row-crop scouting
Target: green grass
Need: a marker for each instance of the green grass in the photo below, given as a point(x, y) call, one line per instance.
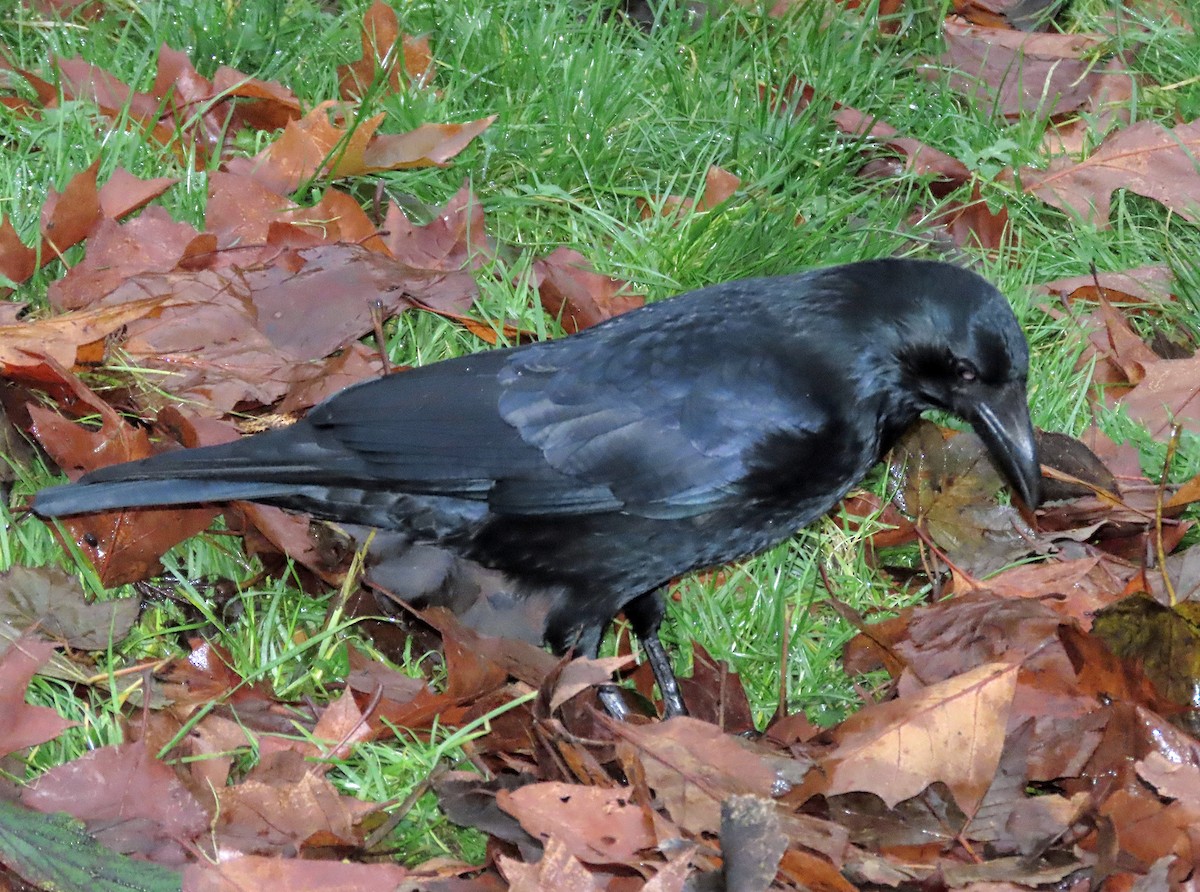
point(593, 116)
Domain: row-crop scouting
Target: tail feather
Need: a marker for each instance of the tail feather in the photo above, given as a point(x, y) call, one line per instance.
point(260, 467)
point(81, 498)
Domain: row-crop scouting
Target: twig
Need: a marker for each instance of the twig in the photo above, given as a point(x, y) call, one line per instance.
point(1159, 549)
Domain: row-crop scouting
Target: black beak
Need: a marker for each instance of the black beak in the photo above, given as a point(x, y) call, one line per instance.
point(1002, 421)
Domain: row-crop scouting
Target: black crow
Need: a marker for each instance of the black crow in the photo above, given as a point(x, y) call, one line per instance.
point(592, 469)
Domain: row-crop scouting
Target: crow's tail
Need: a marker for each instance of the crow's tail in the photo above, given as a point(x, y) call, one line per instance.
point(258, 467)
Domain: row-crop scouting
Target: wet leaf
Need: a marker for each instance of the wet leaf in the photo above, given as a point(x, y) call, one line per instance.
point(323, 144)
point(693, 767)
point(69, 338)
point(719, 186)
point(390, 59)
point(1164, 641)
point(124, 546)
point(430, 145)
point(130, 801)
point(1151, 283)
point(950, 485)
point(751, 841)
point(1168, 393)
point(1079, 471)
point(295, 875)
point(151, 242)
point(596, 825)
point(69, 216)
point(22, 724)
point(576, 295)
point(1016, 72)
point(1024, 14)
point(557, 869)
point(52, 602)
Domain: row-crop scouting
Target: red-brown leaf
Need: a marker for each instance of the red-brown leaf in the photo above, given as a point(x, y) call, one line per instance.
point(1147, 158)
point(1019, 72)
point(577, 295)
point(953, 732)
point(22, 724)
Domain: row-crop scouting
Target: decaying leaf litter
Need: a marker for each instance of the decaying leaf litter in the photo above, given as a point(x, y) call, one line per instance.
point(1037, 728)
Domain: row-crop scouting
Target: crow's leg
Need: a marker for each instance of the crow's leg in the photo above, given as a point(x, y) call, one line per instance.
point(613, 703)
point(645, 615)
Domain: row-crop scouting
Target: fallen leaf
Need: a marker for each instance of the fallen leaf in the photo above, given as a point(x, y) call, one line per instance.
point(953, 732)
point(22, 724)
point(151, 242)
point(124, 193)
point(124, 546)
point(1167, 394)
point(581, 674)
point(1075, 588)
point(1110, 104)
point(752, 842)
point(280, 804)
point(1027, 15)
point(390, 59)
point(1175, 779)
point(430, 145)
point(596, 825)
point(558, 869)
point(1021, 73)
point(1147, 158)
point(317, 146)
point(130, 801)
point(17, 261)
point(714, 693)
point(719, 186)
point(293, 874)
point(49, 603)
point(949, 485)
point(69, 216)
point(256, 104)
point(455, 239)
point(69, 338)
point(244, 214)
point(693, 767)
point(970, 223)
point(920, 159)
point(183, 109)
point(206, 674)
point(1163, 640)
point(575, 294)
point(1151, 283)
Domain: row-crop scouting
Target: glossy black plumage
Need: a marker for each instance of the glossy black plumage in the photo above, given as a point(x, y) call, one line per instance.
point(592, 469)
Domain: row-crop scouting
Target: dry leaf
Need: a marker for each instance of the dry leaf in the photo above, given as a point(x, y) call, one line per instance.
point(1147, 158)
point(952, 732)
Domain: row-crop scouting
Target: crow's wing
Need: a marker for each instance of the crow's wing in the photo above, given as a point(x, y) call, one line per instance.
point(655, 418)
point(668, 423)
point(433, 429)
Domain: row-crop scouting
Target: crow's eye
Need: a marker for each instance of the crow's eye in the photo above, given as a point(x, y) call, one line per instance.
point(965, 371)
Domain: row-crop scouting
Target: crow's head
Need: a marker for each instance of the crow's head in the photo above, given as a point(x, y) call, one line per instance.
point(960, 349)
